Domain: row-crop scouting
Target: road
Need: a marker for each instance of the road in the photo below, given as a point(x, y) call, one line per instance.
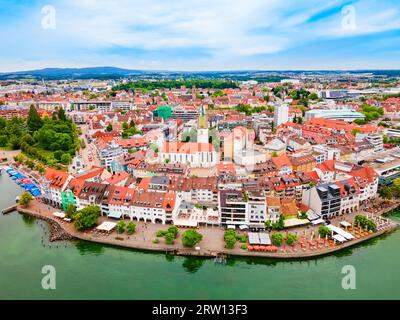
point(89, 154)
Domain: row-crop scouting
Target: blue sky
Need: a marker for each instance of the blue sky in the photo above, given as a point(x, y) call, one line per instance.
point(201, 35)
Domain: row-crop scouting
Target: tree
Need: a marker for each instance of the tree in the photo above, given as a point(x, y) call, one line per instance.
point(19, 158)
point(61, 115)
point(364, 222)
point(109, 128)
point(121, 226)
point(277, 239)
point(386, 193)
point(15, 142)
point(3, 141)
point(274, 154)
point(230, 238)
point(396, 187)
point(3, 123)
point(87, 217)
point(191, 237)
point(25, 199)
point(125, 126)
point(65, 158)
point(174, 230)
point(300, 120)
point(313, 96)
point(70, 210)
point(268, 224)
point(34, 121)
point(324, 231)
point(131, 228)
point(230, 241)
point(281, 223)
point(291, 239)
point(169, 238)
point(30, 164)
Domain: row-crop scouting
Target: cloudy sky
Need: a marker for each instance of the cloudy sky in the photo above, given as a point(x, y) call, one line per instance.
point(200, 35)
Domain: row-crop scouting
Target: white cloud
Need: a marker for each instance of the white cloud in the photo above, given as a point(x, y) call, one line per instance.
point(92, 32)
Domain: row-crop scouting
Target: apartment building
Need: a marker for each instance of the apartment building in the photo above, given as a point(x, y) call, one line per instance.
point(324, 199)
point(233, 207)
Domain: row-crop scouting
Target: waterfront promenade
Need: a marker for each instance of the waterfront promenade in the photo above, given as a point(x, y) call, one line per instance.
point(212, 244)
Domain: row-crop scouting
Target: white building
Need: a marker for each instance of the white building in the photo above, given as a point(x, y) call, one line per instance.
point(197, 155)
point(257, 209)
point(111, 153)
point(281, 114)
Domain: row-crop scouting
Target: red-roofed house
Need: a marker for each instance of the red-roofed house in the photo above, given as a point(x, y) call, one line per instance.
point(55, 182)
point(283, 164)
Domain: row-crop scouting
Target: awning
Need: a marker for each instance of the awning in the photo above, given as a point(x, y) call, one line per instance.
point(339, 238)
point(106, 226)
point(186, 223)
point(345, 224)
point(253, 238)
point(115, 215)
point(264, 239)
point(318, 221)
point(243, 227)
point(231, 226)
point(341, 232)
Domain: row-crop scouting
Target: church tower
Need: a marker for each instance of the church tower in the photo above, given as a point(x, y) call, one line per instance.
point(202, 126)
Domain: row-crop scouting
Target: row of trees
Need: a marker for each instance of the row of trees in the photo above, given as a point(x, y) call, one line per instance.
point(279, 225)
point(189, 238)
point(248, 110)
point(176, 84)
point(278, 238)
point(122, 226)
point(169, 235)
point(31, 164)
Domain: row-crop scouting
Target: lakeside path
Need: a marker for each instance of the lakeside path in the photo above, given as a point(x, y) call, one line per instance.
point(212, 244)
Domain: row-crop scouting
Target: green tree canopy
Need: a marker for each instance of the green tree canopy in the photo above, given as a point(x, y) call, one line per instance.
point(131, 228)
point(121, 225)
point(34, 121)
point(87, 217)
point(25, 199)
point(324, 231)
point(277, 239)
point(191, 237)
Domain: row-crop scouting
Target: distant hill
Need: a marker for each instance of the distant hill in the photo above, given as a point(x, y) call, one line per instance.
point(72, 73)
point(116, 73)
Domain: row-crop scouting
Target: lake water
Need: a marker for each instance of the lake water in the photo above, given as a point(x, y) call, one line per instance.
point(92, 271)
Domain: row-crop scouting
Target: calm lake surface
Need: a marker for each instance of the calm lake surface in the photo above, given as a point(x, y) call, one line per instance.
point(92, 271)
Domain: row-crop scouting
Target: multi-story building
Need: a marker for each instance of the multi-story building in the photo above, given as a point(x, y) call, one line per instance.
point(233, 207)
point(324, 199)
point(111, 153)
point(257, 209)
point(281, 115)
point(273, 209)
point(54, 184)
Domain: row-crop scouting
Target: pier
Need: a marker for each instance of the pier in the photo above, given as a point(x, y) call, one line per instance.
point(9, 209)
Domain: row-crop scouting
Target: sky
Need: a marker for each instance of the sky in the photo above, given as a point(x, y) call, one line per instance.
point(200, 35)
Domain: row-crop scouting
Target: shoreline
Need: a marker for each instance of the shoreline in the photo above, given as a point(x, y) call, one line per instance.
point(58, 232)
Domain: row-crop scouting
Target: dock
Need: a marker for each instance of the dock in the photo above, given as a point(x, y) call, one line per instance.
point(9, 209)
